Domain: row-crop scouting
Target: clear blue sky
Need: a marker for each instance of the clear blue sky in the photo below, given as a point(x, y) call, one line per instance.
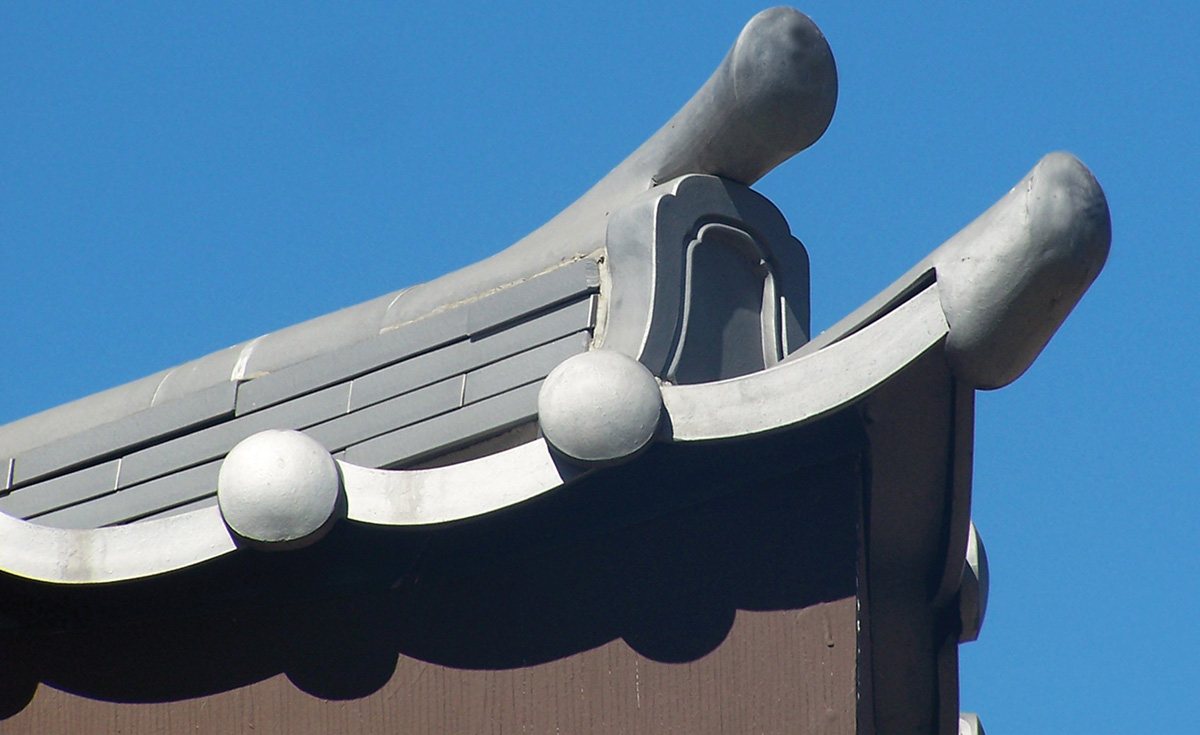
point(177, 178)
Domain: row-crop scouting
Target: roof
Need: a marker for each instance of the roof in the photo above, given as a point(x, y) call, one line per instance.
point(649, 345)
point(669, 274)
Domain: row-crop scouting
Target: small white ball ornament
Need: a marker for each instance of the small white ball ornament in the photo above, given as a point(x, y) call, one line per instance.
point(599, 406)
point(279, 490)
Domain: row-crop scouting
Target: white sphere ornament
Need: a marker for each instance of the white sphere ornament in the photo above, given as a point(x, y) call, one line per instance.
point(279, 490)
point(599, 406)
point(973, 594)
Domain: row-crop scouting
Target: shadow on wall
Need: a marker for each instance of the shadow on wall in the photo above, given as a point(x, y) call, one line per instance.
point(661, 553)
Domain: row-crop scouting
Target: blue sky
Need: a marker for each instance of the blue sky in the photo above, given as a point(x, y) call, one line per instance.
point(178, 178)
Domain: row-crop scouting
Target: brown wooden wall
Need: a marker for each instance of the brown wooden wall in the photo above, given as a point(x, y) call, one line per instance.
point(776, 672)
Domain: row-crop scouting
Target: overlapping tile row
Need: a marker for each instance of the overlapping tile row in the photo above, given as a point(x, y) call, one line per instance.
point(414, 390)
